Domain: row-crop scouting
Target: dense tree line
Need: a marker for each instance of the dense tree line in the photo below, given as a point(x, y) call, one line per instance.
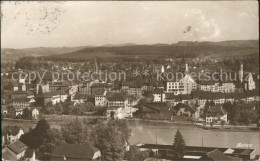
point(242, 113)
point(110, 137)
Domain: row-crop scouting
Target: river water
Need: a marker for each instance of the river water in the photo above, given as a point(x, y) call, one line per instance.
point(194, 136)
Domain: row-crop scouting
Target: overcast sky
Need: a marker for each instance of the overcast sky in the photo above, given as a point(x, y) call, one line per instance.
point(58, 24)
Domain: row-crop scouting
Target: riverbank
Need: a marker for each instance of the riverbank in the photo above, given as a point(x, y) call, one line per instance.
point(56, 122)
point(167, 124)
point(228, 128)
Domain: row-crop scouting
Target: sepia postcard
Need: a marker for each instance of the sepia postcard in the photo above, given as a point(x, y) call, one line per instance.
point(130, 80)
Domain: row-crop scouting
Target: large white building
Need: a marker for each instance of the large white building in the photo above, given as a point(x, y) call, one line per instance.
point(226, 87)
point(184, 86)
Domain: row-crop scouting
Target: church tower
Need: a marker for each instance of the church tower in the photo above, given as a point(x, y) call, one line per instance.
point(241, 73)
point(162, 69)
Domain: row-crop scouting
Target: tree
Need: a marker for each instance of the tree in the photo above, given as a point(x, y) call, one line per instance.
point(73, 132)
point(178, 145)
point(110, 138)
point(196, 103)
point(211, 103)
point(206, 108)
point(53, 139)
point(236, 113)
point(122, 127)
point(30, 140)
point(26, 114)
point(222, 123)
point(42, 128)
point(67, 108)
point(135, 154)
point(35, 137)
point(212, 124)
point(59, 108)
point(230, 112)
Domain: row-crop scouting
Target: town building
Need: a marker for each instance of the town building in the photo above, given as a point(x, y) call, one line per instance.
point(11, 134)
point(15, 112)
point(182, 86)
point(100, 98)
point(224, 87)
point(14, 151)
point(51, 97)
point(116, 103)
point(216, 114)
point(84, 87)
point(155, 111)
point(186, 110)
point(79, 152)
point(96, 88)
point(158, 95)
point(249, 82)
point(59, 86)
point(23, 102)
point(78, 98)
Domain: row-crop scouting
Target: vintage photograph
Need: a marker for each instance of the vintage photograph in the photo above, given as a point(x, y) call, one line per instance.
point(130, 80)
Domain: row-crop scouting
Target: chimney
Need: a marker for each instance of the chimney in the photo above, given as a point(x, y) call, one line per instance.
point(186, 68)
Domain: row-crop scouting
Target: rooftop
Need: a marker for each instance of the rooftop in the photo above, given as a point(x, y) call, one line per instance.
point(17, 147)
point(13, 130)
point(76, 151)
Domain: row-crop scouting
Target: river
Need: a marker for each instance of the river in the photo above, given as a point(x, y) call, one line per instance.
point(194, 136)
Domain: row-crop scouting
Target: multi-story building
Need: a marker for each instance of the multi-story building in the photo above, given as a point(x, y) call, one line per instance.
point(51, 97)
point(158, 95)
point(249, 82)
point(97, 87)
point(100, 98)
point(23, 102)
point(184, 86)
point(116, 105)
point(84, 87)
point(224, 87)
point(59, 86)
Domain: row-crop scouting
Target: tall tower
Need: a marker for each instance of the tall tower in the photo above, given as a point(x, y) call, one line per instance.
point(241, 73)
point(96, 65)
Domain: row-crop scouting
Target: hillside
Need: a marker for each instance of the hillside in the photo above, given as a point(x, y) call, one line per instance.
point(8, 54)
point(134, 51)
point(180, 49)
